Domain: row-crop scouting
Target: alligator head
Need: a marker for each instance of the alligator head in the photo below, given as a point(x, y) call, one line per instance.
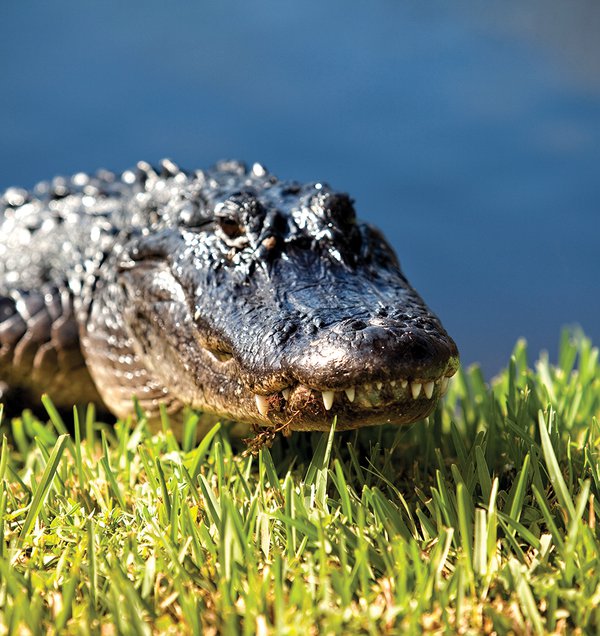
point(269, 302)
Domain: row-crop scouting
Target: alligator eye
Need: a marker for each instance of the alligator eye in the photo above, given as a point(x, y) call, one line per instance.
point(231, 228)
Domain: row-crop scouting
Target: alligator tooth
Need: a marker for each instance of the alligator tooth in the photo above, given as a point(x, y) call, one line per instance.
point(286, 393)
point(444, 385)
point(393, 382)
point(262, 404)
point(415, 389)
point(351, 392)
point(428, 388)
point(379, 385)
point(404, 384)
point(328, 399)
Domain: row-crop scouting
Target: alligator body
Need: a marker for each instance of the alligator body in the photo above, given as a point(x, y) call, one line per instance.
point(259, 300)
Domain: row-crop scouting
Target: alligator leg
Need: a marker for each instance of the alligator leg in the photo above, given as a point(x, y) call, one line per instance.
point(39, 347)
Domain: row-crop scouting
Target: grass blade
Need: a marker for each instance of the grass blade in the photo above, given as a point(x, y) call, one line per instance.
point(554, 472)
point(44, 485)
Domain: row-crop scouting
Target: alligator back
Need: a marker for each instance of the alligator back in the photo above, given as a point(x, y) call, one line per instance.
point(51, 239)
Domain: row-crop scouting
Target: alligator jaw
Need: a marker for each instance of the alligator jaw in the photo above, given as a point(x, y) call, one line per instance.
point(398, 401)
point(366, 372)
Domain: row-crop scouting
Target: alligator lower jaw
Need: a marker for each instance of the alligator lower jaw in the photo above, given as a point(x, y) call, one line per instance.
point(400, 401)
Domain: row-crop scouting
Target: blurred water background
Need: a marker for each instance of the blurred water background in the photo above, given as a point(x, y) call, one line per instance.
point(469, 132)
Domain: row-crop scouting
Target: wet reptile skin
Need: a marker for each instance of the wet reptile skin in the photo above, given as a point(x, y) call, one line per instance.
point(259, 300)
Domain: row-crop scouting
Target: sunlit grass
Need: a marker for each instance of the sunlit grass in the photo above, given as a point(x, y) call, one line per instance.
point(481, 519)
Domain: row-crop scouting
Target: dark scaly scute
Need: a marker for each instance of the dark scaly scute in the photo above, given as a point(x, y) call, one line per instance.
point(261, 300)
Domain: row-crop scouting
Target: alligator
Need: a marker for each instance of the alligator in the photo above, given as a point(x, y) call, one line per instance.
point(226, 290)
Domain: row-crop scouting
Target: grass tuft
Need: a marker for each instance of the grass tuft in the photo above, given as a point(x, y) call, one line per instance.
point(480, 519)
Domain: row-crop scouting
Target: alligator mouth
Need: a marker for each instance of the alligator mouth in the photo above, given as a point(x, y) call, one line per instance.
point(400, 400)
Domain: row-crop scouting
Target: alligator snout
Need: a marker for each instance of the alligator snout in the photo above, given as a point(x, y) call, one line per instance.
point(359, 351)
point(364, 370)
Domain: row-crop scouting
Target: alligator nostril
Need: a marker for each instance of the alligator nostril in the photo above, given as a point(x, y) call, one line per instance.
point(419, 351)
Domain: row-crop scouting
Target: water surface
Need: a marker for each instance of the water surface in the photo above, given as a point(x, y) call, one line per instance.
point(471, 138)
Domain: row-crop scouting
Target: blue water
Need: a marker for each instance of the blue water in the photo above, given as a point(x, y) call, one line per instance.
point(469, 134)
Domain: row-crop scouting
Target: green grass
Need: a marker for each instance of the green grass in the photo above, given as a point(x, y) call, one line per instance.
point(480, 519)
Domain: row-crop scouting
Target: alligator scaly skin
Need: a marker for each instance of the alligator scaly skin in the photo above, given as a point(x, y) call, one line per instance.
point(259, 300)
